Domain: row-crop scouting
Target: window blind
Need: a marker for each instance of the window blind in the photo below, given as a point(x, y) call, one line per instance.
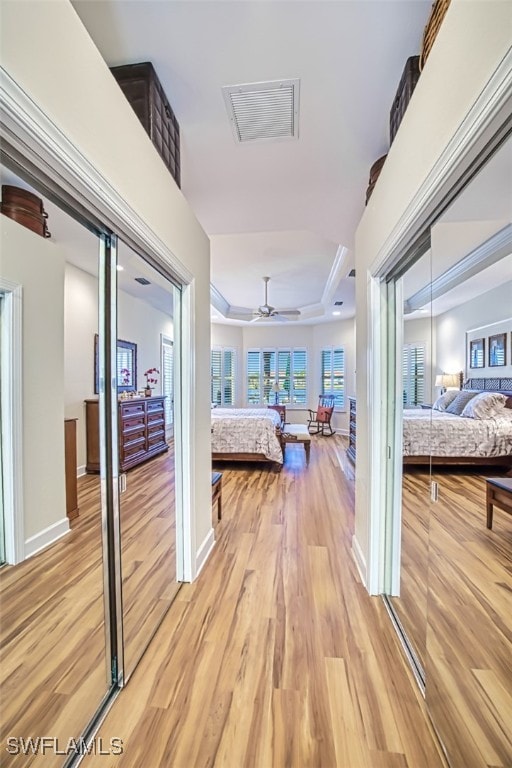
point(222, 376)
point(168, 380)
point(413, 374)
point(333, 374)
point(286, 366)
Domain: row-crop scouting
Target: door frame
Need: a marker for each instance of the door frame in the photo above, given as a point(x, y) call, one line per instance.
point(11, 388)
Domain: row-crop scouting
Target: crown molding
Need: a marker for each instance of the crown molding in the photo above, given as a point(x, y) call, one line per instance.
point(492, 250)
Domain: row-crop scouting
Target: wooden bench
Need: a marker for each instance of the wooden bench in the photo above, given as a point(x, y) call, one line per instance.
point(296, 433)
point(217, 493)
point(499, 493)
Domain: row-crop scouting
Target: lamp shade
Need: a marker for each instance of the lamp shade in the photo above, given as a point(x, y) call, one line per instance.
point(448, 380)
point(276, 387)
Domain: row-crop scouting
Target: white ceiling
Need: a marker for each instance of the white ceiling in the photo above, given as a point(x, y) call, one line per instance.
point(287, 209)
point(280, 208)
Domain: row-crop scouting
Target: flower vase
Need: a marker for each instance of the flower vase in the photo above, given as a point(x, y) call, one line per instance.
point(147, 392)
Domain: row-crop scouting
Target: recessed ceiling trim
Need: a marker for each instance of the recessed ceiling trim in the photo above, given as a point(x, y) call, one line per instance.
point(263, 111)
point(492, 250)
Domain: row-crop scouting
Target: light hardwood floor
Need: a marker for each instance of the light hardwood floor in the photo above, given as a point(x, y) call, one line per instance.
point(456, 607)
point(53, 674)
point(276, 656)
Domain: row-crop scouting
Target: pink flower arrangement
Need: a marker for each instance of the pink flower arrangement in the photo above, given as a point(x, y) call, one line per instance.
point(125, 374)
point(150, 376)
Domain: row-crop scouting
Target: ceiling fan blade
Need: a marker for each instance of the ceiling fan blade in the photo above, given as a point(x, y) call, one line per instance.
point(289, 312)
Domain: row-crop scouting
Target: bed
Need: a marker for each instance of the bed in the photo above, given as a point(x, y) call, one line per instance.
point(475, 437)
point(247, 434)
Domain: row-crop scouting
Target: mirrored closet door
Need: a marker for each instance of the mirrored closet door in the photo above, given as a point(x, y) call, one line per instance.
point(55, 649)
point(147, 303)
point(453, 601)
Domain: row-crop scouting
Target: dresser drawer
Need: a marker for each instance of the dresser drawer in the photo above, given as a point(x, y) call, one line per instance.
point(156, 438)
point(155, 406)
point(130, 409)
point(132, 422)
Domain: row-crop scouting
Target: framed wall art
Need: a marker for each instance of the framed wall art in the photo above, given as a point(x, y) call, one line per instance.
point(497, 350)
point(477, 353)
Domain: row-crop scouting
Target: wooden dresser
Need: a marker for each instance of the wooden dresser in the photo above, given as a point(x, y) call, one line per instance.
point(70, 468)
point(141, 428)
point(351, 450)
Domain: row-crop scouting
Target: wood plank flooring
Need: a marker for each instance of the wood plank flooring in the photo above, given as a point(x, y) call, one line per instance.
point(456, 607)
point(53, 674)
point(276, 656)
point(469, 627)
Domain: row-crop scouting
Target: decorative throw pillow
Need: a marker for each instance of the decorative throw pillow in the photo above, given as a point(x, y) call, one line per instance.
point(443, 401)
point(485, 405)
point(460, 401)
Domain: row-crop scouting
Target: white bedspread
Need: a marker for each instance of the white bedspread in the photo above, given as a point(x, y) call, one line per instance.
point(246, 430)
point(438, 433)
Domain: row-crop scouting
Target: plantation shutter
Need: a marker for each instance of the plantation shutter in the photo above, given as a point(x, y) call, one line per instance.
point(229, 377)
point(253, 377)
point(216, 377)
point(413, 374)
point(333, 375)
point(299, 376)
point(284, 376)
point(269, 375)
point(168, 381)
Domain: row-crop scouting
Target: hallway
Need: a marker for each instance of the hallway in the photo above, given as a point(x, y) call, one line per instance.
point(276, 655)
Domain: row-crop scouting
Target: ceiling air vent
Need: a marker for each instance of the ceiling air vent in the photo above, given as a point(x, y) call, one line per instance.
point(263, 111)
point(142, 280)
point(352, 273)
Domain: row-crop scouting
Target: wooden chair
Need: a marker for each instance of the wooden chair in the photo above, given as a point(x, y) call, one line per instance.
point(319, 421)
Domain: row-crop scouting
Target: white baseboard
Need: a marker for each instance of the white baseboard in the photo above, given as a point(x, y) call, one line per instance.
point(45, 537)
point(81, 471)
point(359, 558)
point(204, 551)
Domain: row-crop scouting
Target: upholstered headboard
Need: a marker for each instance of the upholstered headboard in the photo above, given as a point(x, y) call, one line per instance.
point(492, 385)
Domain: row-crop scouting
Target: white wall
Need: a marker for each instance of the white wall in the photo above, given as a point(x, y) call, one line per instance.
point(483, 316)
point(48, 53)
point(472, 40)
point(38, 266)
point(80, 325)
point(138, 322)
point(313, 337)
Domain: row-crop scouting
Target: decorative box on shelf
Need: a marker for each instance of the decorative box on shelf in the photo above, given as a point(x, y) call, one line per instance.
point(406, 86)
point(142, 88)
point(374, 175)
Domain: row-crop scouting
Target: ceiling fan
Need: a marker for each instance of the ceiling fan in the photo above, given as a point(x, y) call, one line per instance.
point(267, 311)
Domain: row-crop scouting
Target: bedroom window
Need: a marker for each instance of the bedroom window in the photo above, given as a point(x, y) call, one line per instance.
point(222, 376)
point(266, 366)
point(333, 374)
point(413, 374)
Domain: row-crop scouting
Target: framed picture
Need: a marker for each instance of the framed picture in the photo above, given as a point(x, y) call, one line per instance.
point(497, 349)
point(126, 366)
point(477, 353)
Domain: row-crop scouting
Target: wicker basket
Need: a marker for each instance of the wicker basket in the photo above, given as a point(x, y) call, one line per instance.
point(406, 86)
point(435, 20)
point(374, 175)
point(24, 207)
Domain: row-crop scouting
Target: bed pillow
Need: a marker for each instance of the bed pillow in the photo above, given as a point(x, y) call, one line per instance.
point(442, 402)
point(460, 401)
point(485, 405)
